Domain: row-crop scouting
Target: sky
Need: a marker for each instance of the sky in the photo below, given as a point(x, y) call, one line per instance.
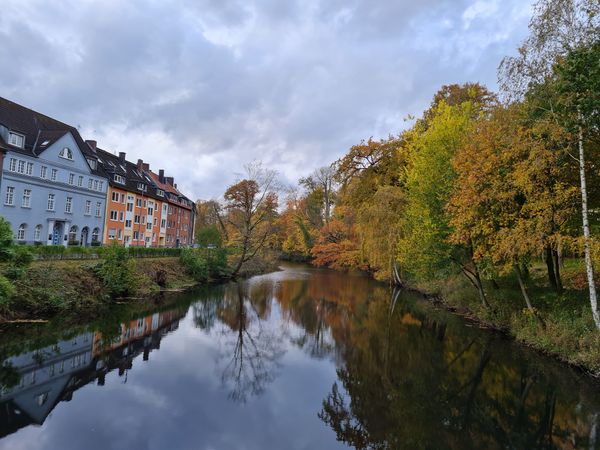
point(201, 88)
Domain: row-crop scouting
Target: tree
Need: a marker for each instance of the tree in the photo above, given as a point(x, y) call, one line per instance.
point(425, 249)
point(578, 79)
point(322, 180)
point(251, 206)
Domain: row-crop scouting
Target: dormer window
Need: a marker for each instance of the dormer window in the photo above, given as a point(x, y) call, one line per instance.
point(160, 192)
point(119, 179)
point(16, 139)
point(141, 186)
point(93, 163)
point(66, 153)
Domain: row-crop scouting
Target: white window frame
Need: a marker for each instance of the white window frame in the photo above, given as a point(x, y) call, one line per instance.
point(44, 172)
point(9, 198)
point(51, 202)
point(16, 139)
point(53, 174)
point(66, 153)
point(26, 203)
point(69, 205)
point(88, 208)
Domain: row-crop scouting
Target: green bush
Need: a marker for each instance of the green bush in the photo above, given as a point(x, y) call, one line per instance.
point(117, 271)
point(195, 264)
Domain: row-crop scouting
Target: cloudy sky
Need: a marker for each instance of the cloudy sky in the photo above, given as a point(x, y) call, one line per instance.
point(202, 87)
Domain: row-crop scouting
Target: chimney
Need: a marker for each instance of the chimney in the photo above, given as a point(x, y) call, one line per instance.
point(169, 180)
point(161, 175)
point(146, 167)
point(175, 185)
point(92, 145)
point(140, 164)
point(122, 156)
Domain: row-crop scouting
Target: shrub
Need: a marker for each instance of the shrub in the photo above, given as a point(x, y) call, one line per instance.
point(117, 271)
point(195, 264)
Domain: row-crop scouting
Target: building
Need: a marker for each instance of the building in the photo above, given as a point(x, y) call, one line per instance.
point(181, 210)
point(53, 191)
point(136, 208)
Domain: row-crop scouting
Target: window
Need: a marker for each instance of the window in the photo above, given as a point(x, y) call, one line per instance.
point(50, 202)
point(121, 216)
point(88, 207)
point(119, 179)
point(112, 233)
point(115, 196)
point(37, 233)
point(71, 178)
point(128, 224)
point(98, 209)
point(18, 140)
point(21, 166)
point(68, 204)
point(12, 166)
point(163, 223)
point(150, 210)
point(10, 196)
point(54, 174)
point(143, 219)
point(149, 226)
point(66, 153)
point(160, 192)
point(21, 232)
point(95, 234)
point(136, 219)
point(129, 207)
point(29, 170)
point(113, 215)
point(80, 181)
point(136, 236)
point(120, 234)
point(93, 163)
point(73, 234)
point(90, 181)
point(155, 221)
point(95, 185)
point(141, 186)
point(26, 198)
point(100, 185)
point(43, 172)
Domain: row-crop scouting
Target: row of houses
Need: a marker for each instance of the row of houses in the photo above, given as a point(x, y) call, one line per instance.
point(59, 189)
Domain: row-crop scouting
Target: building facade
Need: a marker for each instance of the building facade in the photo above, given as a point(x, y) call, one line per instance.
point(52, 190)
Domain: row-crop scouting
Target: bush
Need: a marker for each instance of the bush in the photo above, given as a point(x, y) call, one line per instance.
point(195, 264)
point(117, 271)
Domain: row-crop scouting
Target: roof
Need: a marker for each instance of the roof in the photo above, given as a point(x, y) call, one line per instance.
point(168, 188)
point(113, 165)
point(37, 129)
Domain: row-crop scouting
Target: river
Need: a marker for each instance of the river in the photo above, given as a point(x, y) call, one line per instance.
point(303, 358)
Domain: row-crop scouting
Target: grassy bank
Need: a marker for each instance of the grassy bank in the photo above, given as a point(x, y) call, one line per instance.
point(566, 329)
point(75, 287)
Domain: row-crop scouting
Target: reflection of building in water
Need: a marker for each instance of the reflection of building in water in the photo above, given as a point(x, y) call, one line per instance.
point(51, 374)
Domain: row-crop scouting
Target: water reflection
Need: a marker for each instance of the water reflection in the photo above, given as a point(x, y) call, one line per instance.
point(302, 358)
point(42, 378)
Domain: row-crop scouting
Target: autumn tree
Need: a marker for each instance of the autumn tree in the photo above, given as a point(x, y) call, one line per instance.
point(251, 206)
point(425, 249)
point(322, 183)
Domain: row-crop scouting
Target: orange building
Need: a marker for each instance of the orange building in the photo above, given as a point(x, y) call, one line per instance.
point(135, 209)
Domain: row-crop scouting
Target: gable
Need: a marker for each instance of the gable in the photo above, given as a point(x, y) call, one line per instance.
point(66, 145)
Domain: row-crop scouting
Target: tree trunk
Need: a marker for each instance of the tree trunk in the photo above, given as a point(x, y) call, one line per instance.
point(523, 289)
point(556, 258)
point(482, 296)
point(586, 232)
point(550, 267)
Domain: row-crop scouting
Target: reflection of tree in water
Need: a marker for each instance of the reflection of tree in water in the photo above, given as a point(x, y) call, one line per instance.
point(413, 382)
point(250, 347)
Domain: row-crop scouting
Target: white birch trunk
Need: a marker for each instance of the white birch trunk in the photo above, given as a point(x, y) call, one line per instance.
point(586, 233)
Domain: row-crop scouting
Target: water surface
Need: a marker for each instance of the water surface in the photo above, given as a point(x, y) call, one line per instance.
point(299, 359)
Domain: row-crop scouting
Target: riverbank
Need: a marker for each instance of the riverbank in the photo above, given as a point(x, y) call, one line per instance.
point(73, 287)
point(566, 331)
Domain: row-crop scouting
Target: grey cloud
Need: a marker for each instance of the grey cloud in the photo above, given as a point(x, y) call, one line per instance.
point(202, 87)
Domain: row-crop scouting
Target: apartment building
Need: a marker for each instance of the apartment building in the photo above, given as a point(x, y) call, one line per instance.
point(52, 190)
